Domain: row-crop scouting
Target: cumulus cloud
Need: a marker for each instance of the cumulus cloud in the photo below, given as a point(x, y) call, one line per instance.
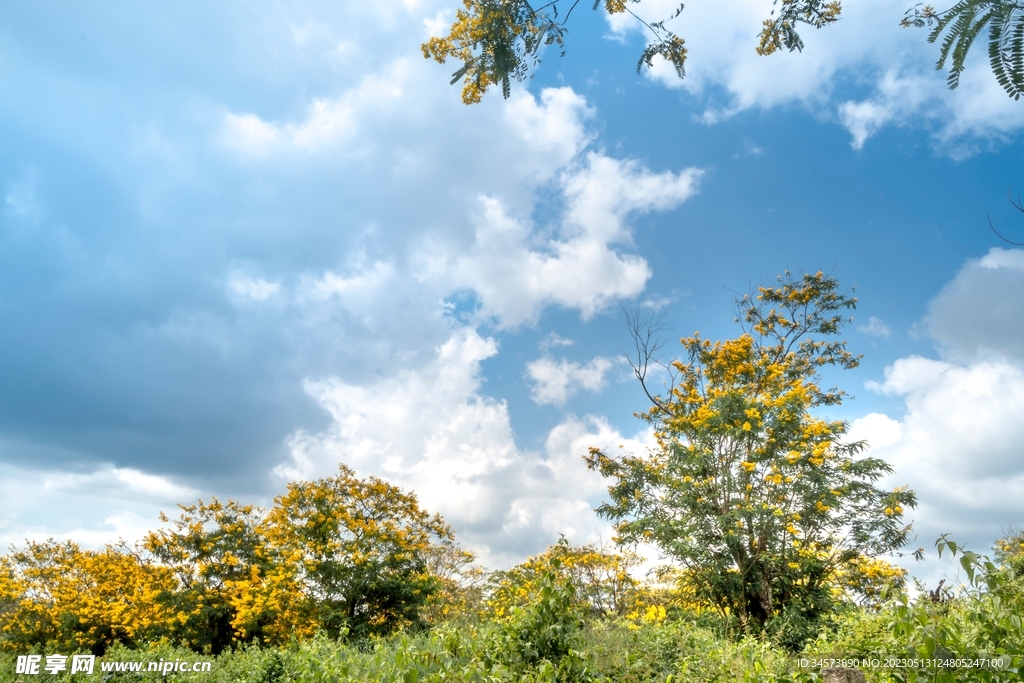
point(429, 429)
point(960, 441)
point(896, 65)
point(512, 265)
point(958, 444)
point(580, 267)
point(875, 327)
point(513, 281)
point(555, 381)
point(94, 508)
point(980, 313)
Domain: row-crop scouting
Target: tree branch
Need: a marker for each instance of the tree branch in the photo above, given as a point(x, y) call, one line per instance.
point(646, 330)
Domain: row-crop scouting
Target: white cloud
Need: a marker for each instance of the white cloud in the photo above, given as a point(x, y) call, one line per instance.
point(960, 445)
point(485, 241)
point(908, 375)
point(428, 429)
point(555, 381)
point(551, 124)
point(248, 133)
point(104, 506)
point(896, 98)
point(513, 281)
point(605, 190)
point(960, 442)
point(329, 122)
point(867, 44)
point(876, 429)
point(981, 312)
point(256, 289)
point(875, 327)
point(752, 148)
point(119, 482)
point(366, 281)
point(579, 268)
point(553, 339)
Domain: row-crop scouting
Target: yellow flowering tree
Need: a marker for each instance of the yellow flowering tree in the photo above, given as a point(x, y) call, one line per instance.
point(55, 593)
point(360, 549)
point(754, 491)
point(460, 583)
point(497, 41)
point(1010, 551)
point(600, 579)
point(341, 555)
point(228, 585)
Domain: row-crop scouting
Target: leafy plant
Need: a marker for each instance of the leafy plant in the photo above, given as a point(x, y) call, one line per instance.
point(358, 547)
point(963, 23)
point(498, 41)
point(760, 498)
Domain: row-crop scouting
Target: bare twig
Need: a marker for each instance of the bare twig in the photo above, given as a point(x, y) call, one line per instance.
point(646, 329)
point(1019, 205)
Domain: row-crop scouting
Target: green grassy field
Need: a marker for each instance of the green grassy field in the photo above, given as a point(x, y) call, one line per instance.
point(540, 646)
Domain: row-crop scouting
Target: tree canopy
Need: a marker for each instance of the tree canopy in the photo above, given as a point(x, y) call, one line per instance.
point(497, 41)
point(762, 499)
point(339, 555)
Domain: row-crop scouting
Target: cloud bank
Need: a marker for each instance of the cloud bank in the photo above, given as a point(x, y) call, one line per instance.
point(866, 52)
point(291, 247)
point(960, 441)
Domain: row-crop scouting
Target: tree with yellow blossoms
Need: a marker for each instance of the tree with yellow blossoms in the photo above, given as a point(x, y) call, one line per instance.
point(497, 41)
point(228, 585)
point(338, 555)
point(1010, 551)
point(751, 487)
point(500, 40)
point(55, 593)
point(360, 550)
point(600, 579)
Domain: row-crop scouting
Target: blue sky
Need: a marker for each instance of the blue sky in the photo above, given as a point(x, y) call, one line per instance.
point(240, 244)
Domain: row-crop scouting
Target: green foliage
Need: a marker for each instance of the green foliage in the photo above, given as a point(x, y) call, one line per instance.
point(763, 501)
point(359, 547)
point(544, 642)
point(600, 578)
point(963, 23)
point(497, 41)
point(548, 626)
point(780, 30)
point(213, 550)
point(981, 619)
point(344, 555)
point(1009, 551)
